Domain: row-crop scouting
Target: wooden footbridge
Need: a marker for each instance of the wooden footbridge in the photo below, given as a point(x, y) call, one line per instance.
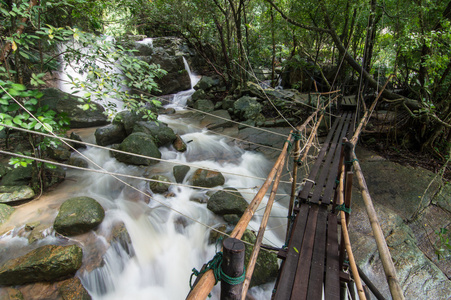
point(317, 262)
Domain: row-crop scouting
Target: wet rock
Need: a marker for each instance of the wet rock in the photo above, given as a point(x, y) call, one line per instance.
point(58, 153)
point(37, 233)
point(10, 194)
point(128, 119)
point(78, 162)
point(53, 175)
point(78, 215)
point(253, 90)
point(110, 134)
point(178, 144)
point(227, 202)
point(266, 267)
point(138, 143)
point(180, 173)
point(72, 289)
point(161, 132)
point(76, 137)
point(199, 94)
point(207, 178)
point(62, 102)
point(215, 235)
point(46, 263)
point(247, 108)
point(5, 212)
point(227, 103)
point(213, 122)
point(231, 219)
point(160, 187)
point(204, 105)
point(206, 83)
point(17, 176)
point(10, 294)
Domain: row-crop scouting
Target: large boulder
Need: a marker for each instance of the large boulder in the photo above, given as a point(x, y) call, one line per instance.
point(138, 143)
point(179, 144)
point(10, 194)
point(227, 202)
point(110, 134)
point(162, 133)
point(62, 102)
point(128, 120)
point(207, 178)
point(206, 83)
point(247, 108)
point(17, 176)
point(5, 212)
point(72, 289)
point(46, 263)
point(266, 267)
point(204, 105)
point(78, 215)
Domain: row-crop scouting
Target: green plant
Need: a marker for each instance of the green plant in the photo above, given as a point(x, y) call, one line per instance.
point(443, 247)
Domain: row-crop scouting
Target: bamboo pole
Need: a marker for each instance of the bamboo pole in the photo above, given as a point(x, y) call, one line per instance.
point(261, 232)
point(346, 240)
point(384, 253)
point(297, 148)
point(207, 281)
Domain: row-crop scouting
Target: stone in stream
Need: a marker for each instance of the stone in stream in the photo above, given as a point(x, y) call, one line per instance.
point(160, 187)
point(78, 215)
point(15, 193)
point(138, 143)
point(179, 144)
point(247, 108)
point(207, 178)
point(227, 202)
point(5, 212)
point(17, 176)
point(110, 134)
point(162, 133)
point(46, 263)
point(204, 105)
point(180, 173)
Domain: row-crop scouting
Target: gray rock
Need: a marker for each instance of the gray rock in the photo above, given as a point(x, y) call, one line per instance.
point(17, 176)
point(76, 137)
point(78, 215)
point(247, 108)
point(162, 133)
point(58, 153)
point(207, 178)
point(78, 162)
point(128, 119)
point(204, 105)
point(206, 83)
point(227, 103)
point(9, 293)
point(213, 122)
point(159, 187)
point(53, 175)
point(138, 143)
point(227, 202)
point(5, 212)
point(110, 134)
point(199, 94)
point(46, 263)
point(180, 173)
point(231, 219)
point(61, 102)
point(266, 267)
point(10, 194)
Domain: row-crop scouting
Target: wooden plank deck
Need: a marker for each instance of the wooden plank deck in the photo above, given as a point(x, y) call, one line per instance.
point(311, 263)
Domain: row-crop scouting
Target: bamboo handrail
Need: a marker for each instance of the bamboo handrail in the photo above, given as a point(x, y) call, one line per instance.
point(261, 232)
point(207, 281)
point(346, 240)
point(384, 253)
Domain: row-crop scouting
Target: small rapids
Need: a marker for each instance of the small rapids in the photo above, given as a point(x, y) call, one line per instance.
point(168, 235)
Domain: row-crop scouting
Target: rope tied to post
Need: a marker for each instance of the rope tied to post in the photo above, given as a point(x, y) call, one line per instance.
point(215, 264)
point(342, 207)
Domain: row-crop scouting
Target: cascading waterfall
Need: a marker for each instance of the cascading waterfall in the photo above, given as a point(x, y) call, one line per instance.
point(165, 242)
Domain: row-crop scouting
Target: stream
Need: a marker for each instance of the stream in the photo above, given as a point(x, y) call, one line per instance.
point(165, 243)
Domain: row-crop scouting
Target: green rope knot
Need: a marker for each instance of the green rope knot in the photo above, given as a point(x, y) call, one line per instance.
point(342, 207)
point(351, 161)
point(337, 181)
point(297, 136)
point(215, 264)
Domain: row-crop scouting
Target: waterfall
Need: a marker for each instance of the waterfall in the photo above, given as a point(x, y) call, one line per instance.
point(194, 78)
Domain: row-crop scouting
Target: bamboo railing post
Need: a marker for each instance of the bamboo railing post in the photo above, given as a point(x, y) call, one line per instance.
point(295, 180)
point(232, 266)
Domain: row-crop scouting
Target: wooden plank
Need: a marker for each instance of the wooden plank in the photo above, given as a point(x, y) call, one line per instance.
point(299, 291)
point(329, 190)
point(332, 283)
point(335, 145)
point(288, 269)
point(315, 286)
point(304, 194)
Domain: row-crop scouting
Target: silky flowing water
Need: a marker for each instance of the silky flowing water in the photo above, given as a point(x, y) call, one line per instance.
point(165, 242)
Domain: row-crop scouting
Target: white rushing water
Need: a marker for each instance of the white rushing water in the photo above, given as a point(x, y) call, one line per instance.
point(166, 241)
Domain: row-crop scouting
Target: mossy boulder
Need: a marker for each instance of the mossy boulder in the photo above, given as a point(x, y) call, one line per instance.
point(207, 178)
point(227, 202)
point(161, 185)
point(179, 144)
point(78, 215)
point(15, 193)
point(17, 176)
point(72, 289)
point(180, 173)
point(46, 263)
point(110, 134)
point(247, 108)
point(204, 105)
point(138, 143)
point(266, 268)
point(5, 212)
point(162, 133)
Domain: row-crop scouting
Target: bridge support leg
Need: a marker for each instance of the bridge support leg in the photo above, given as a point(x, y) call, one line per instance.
point(232, 266)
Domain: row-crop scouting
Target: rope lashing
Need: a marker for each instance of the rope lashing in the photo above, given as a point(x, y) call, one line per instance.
point(351, 161)
point(296, 136)
point(215, 264)
point(342, 207)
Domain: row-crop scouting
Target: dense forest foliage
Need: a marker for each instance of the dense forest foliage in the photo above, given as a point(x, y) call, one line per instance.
point(352, 45)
